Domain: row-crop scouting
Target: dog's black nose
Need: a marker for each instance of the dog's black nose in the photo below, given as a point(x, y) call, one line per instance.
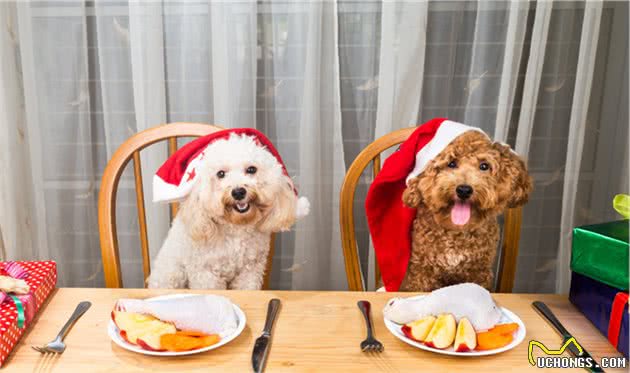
point(239, 193)
point(464, 191)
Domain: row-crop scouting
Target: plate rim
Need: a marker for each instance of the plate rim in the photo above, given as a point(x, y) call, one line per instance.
point(394, 329)
point(113, 331)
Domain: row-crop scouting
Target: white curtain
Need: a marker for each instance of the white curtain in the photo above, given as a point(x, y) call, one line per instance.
point(322, 79)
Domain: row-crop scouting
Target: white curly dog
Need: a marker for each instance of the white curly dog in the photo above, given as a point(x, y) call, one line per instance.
point(220, 236)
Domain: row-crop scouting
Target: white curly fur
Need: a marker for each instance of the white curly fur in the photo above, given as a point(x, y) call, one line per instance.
point(211, 245)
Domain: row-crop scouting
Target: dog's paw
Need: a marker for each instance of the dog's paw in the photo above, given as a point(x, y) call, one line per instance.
point(303, 207)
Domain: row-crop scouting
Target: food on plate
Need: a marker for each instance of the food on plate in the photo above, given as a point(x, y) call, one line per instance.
point(153, 334)
point(491, 341)
point(497, 337)
point(142, 330)
point(185, 341)
point(442, 333)
point(175, 324)
point(507, 328)
point(465, 337)
point(463, 300)
point(419, 329)
point(207, 314)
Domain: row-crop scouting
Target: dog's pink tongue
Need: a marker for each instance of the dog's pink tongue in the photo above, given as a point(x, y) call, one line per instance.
point(460, 214)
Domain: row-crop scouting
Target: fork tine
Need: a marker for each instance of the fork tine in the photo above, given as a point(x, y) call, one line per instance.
point(39, 349)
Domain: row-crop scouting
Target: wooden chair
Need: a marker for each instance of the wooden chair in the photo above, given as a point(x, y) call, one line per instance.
point(372, 153)
point(130, 149)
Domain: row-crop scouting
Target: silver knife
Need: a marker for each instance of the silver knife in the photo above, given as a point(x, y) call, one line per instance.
point(261, 346)
point(546, 312)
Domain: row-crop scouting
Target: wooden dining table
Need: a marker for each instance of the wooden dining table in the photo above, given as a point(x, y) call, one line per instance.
point(316, 331)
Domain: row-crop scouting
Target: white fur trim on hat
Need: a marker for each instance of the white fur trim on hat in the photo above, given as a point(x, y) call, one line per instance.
point(445, 134)
point(166, 192)
point(303, 207)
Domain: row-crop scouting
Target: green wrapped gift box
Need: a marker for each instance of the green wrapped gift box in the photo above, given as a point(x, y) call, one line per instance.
point(600, 251)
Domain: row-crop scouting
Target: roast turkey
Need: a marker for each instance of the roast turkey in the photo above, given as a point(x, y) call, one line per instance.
point(461, 300)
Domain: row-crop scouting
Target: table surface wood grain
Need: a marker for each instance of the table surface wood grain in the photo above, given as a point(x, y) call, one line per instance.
point(315, 332)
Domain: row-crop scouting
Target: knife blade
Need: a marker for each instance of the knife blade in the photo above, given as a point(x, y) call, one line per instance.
point(262, 344)
point(553, 320)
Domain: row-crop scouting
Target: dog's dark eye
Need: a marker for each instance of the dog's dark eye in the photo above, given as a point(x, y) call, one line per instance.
point(221, 174)
point(251, 170)
point(452, 164)
point(484, 166)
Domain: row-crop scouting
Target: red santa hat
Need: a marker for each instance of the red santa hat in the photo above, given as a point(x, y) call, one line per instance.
point(174, 180)
point(389, 220)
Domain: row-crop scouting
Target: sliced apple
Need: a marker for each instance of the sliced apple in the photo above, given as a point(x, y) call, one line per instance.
point(150, 342)
point(465, 337)
point(442, 333)
point(140, 329)
point(419, 329)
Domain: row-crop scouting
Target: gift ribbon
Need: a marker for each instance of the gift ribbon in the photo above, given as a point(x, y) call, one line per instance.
point(621, 204)
point(20, 311)
point(15, 270)
point(614, 326)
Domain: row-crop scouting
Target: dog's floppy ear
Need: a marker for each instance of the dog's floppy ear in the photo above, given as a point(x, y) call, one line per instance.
point(412, 196)
point(514, 173)
point(198, 212)
point(281, 213)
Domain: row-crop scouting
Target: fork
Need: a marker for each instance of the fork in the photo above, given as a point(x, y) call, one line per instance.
point(370, 343)
point(57, 346)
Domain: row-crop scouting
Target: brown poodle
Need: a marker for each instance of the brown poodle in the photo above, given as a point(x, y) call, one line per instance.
point(458, 198)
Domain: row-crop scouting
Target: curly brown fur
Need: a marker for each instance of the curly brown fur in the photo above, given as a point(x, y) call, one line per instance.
point(445, 253)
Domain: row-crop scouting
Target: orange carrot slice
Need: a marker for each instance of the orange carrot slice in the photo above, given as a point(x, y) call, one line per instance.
point(182, 342)
point(505, 328)
point(191, 333)
point(491, 340)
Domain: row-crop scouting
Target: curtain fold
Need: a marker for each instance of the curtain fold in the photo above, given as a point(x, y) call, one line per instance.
point(322, 79)
point(514, 44)
point(147, 51)
point(233, 65)
point(533, 73)
point(305, 97)
point(577, 129)
point(17, 232)
point(32, 136)
point(401, 70)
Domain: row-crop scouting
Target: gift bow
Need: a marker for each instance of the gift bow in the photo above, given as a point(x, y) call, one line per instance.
point(15, 270)
point(621, 203)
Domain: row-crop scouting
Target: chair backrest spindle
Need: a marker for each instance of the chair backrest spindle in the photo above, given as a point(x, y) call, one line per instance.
point(172, 148)
point(142, 216)
point(376, 168)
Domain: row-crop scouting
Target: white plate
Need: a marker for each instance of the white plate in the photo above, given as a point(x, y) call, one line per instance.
point(114, 333)
point(507, 317)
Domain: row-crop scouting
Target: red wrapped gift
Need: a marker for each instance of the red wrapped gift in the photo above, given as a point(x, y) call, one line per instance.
point(41, 276)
